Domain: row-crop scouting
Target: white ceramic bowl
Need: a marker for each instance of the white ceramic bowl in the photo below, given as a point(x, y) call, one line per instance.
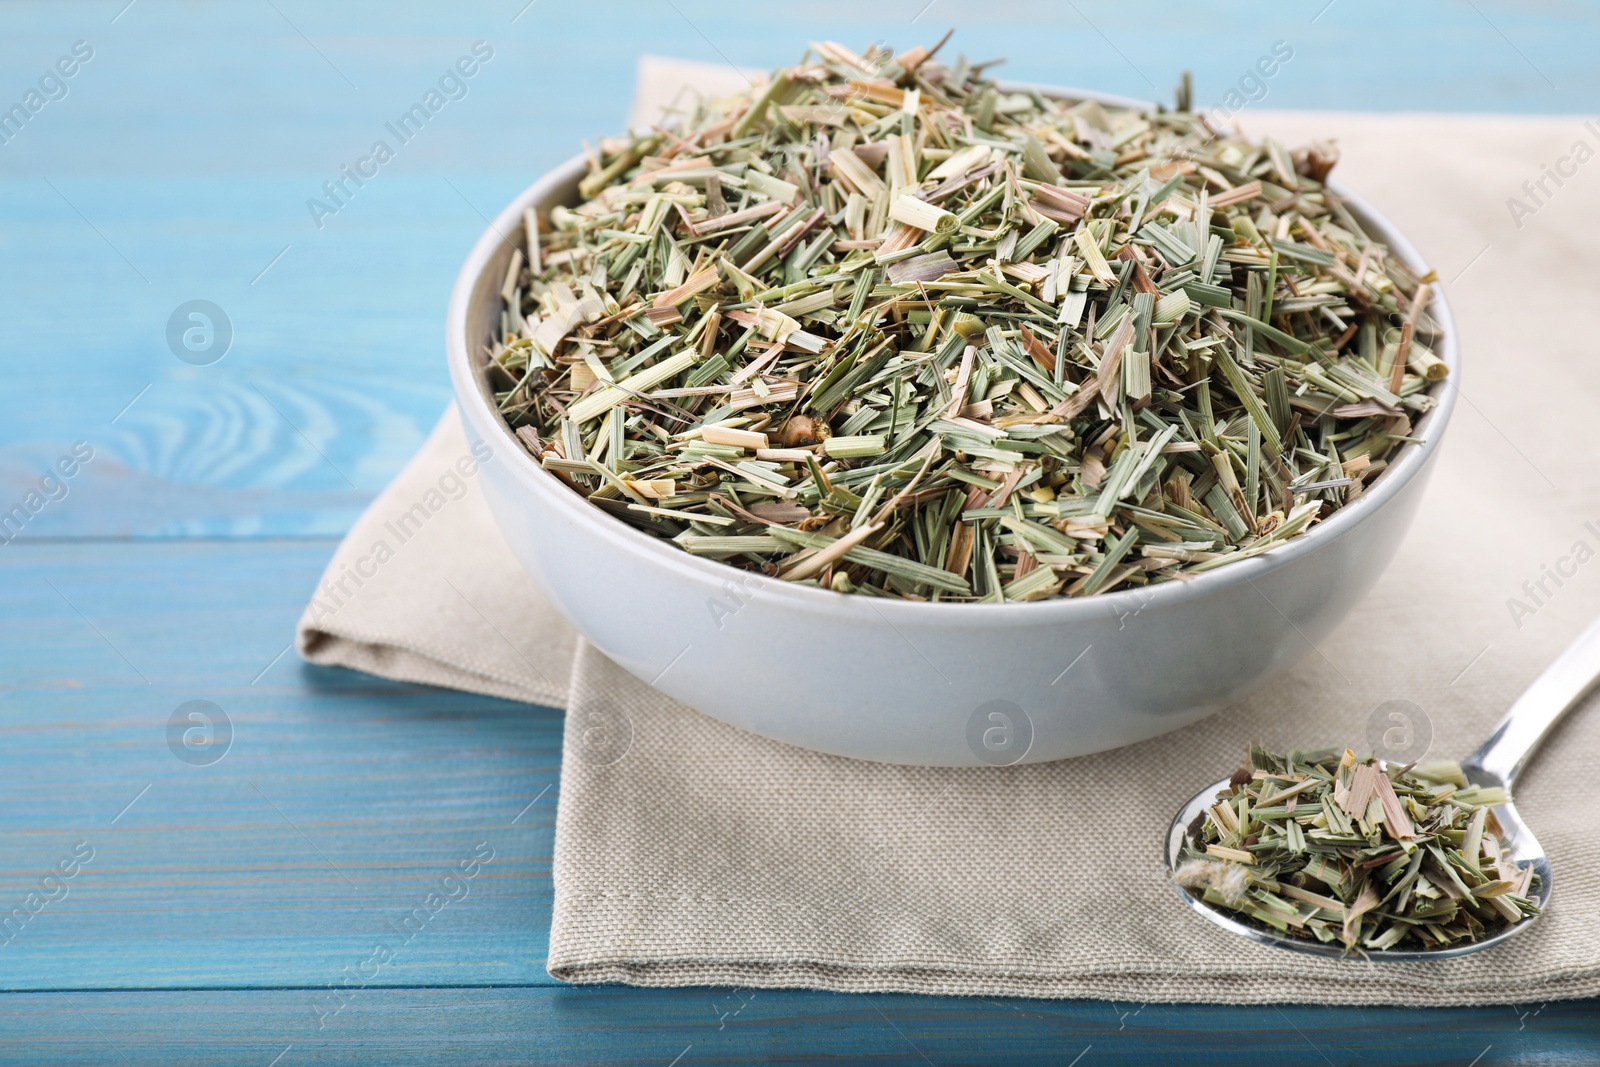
point(906, 682)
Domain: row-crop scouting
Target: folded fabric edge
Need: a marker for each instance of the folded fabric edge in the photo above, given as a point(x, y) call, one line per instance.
point(388, 660)
point(1121, 986)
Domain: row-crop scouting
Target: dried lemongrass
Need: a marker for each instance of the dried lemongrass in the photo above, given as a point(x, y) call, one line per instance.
point(1326, 847)
point(890, 329)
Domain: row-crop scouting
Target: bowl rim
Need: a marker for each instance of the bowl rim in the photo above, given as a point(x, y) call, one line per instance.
point(474, 402)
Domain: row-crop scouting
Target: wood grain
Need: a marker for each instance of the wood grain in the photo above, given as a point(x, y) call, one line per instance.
point(612, 1025)
point(340, 805)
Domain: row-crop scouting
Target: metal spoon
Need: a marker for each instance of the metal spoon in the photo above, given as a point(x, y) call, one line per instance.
point(1497, 763)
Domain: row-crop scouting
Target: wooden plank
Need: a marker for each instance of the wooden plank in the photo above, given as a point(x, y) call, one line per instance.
point(614, 1025)
point(340, 806)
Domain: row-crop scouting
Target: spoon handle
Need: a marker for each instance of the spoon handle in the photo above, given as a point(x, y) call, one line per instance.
point(1537, 710)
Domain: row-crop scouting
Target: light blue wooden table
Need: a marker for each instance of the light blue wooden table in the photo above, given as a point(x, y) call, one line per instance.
point(218, 903)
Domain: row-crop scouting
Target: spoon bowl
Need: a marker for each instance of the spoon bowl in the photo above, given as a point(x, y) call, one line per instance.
point(1523, 847)
point(1497, 763)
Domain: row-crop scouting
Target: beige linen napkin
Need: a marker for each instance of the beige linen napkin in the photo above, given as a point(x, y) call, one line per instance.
point(690, 852)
